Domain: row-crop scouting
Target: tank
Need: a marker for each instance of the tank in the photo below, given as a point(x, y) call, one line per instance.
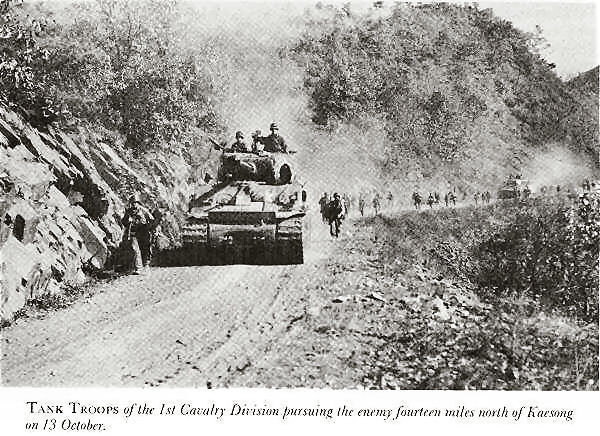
point(253, 214)
point(514, 188)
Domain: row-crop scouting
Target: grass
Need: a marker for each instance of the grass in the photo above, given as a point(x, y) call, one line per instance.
point(44, 303)
point(449, 329)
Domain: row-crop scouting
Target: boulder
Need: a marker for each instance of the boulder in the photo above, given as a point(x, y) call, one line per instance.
point(22, 219)
point(94, 242)
point(61, 202)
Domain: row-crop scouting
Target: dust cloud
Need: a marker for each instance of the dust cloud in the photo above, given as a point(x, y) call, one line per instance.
point(558, 166)
point(260, 87)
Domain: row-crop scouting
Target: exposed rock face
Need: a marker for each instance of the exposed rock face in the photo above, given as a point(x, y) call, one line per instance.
point(61, 200)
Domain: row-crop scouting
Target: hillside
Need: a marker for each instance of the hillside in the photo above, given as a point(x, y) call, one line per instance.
point(581, 125)
point(464, 98)
point(62, 196)
point(585, 83)
point(408, 302)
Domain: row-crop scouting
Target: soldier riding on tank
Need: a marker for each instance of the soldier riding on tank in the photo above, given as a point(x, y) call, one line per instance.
point(257, 145)
point(238, 146)
point(274, 142)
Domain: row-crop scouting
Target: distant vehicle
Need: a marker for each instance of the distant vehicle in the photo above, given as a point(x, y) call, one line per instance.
point(253, 214)
point(514, 188)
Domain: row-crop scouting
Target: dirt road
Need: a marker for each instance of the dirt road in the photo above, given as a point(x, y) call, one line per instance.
point(193, 326)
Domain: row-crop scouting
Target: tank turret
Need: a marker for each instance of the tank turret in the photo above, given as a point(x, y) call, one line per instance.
point(270, 168)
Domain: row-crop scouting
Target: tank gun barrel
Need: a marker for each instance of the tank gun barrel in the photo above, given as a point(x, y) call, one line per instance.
point(215, 144)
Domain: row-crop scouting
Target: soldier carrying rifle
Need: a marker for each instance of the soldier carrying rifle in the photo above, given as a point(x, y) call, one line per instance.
point(138, 237)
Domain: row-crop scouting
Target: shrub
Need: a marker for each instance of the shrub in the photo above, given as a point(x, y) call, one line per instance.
point(548, 252)
point(116, 63)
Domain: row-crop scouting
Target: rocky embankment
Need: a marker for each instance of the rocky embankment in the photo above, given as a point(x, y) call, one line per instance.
point(61, 199)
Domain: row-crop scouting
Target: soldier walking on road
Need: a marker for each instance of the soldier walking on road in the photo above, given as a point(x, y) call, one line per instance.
point(137, 237)
point(436, 195)
point(430, 200)
point(476, 198)
point(335, 211)
point(447, 198)
point(152, 230)
point(323, 203)
point(376, 203)
point(346, 203)
point(361, 205)
point(416, 198)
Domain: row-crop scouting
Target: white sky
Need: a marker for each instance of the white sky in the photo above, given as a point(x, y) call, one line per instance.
point(569, 27)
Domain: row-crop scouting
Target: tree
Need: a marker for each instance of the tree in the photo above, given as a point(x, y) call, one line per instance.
point(116, 63)
point(21, 58)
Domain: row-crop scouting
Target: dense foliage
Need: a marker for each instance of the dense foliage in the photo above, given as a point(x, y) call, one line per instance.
point(534, 269)
point(22, 60)
point(543, 254)
point(548, 253)
point(437, 73)
point(116, 63)
point(484, 348)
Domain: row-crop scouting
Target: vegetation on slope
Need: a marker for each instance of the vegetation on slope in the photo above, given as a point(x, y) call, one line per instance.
point(410, 303)
point(115, 63)
point(446, 80)
point(542, 255)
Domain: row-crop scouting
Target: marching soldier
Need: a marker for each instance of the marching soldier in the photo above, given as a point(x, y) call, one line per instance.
point(137, 222)
point(323, 203)
point(361, 204)
point(376, 203)
point(416, 197)
point(390, 199)
point(346, 203)
point(430, 200)
point(336, 214)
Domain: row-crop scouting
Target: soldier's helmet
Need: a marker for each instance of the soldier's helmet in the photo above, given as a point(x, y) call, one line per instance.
point(239, 134)
point(256, 134)
point(336, 196)
point(273, 126)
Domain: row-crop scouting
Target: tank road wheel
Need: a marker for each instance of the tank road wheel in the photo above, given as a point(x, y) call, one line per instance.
point(289, 252)
point(294, 253)
point(288, 245)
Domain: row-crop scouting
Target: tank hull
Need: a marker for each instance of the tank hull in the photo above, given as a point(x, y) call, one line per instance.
point(254, 224)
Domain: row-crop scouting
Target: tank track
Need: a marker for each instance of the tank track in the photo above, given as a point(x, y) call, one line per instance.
point(286, 249)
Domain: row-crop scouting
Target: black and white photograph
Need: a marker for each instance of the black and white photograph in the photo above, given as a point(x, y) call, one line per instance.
point(370, 195)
